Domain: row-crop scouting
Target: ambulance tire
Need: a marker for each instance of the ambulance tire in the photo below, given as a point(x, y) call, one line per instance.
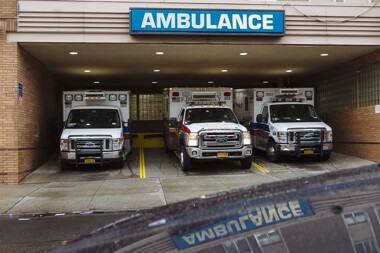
point(167, 150)
point(131, 149)
point(246, 163)
point(64, 166)
point(120, 164)
point(272, 153)
point(186, 163)
point(325, 157)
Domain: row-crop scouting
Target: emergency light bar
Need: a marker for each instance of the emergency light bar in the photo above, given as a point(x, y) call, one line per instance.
point(288, 92)
point(274, 100)
point(94, 96)
point(204, 95)
point(197, 102)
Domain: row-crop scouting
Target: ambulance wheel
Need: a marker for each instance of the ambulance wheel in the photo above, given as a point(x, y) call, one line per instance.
point(325, 157)
point(64, 166)
point(120, 164)
point(272, 153)
point(167, 150)
point(185, 160)
point(131, 148)
point(246, 163)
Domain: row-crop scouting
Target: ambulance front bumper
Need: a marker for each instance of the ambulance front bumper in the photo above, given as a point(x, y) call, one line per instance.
point(299, 150)
point(217, 154)
point(89, 158)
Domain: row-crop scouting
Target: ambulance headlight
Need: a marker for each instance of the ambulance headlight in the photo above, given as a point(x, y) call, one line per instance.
point(78, 97)
point(246, 138)
point(308, 93)
point(281, 136)
point(64, 145)
point(113, 97)
point(68, 98)
point(259, 94)
point(192, 139)
point(123, 97)
point(328, 136)
point(117, 143)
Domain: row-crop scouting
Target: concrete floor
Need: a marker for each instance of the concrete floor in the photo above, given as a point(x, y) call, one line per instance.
point(51, 190)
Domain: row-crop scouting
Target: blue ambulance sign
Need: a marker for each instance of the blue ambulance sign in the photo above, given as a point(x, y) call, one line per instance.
point(244, 22)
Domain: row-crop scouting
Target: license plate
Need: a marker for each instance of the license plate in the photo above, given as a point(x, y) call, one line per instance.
point(222, 155)
point(308, 152)
point(89, 160)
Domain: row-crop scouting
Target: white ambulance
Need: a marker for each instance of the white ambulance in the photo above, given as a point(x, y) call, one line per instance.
point(199, 124)
point(284, 122)
point(96, 128)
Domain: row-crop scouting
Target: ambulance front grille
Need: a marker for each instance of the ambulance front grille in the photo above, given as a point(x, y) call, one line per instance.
point(220, 140)
point(91, 144)
point(306, 136)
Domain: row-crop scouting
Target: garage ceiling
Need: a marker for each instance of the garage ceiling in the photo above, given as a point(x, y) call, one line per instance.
point(120, 66)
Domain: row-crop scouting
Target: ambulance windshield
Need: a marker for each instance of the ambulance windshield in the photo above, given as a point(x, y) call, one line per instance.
point(293, 113)
point(93, 118)
point(201, 115)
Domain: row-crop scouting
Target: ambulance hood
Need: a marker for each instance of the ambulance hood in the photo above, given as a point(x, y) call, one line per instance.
point(299, 125)
point(196, 127)
point(88, 132)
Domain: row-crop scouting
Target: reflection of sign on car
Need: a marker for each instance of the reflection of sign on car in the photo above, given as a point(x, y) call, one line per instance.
point(254, 218)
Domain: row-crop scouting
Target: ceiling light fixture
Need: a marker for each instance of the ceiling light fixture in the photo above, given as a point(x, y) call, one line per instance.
point(324, 54)
point(73, 53)
point(243, 54)
point(87, 71)
point(289, 71)
point(159, 53)
point(224, 70)
point(265, 82)
point(154, 82)
point(156, 70)
point(96, 82)
point(210, 82)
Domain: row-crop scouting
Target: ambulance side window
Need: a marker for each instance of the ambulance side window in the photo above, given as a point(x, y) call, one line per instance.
point(265, 114)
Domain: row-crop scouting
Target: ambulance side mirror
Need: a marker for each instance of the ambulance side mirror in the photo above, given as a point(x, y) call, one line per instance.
point(173, 122)
point(128, 123)
point(259, 118)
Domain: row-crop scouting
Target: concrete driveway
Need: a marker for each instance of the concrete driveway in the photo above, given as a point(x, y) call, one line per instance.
point(93, 189)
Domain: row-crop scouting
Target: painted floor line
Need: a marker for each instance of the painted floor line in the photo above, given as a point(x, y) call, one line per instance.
point(262, 169)
point(142, 164)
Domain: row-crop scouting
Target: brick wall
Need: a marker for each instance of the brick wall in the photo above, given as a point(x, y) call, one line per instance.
point(8, 108)
point(29, 125)
point(29, 130)
point(8, 8)
point(357, 132)
point(38, 115)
